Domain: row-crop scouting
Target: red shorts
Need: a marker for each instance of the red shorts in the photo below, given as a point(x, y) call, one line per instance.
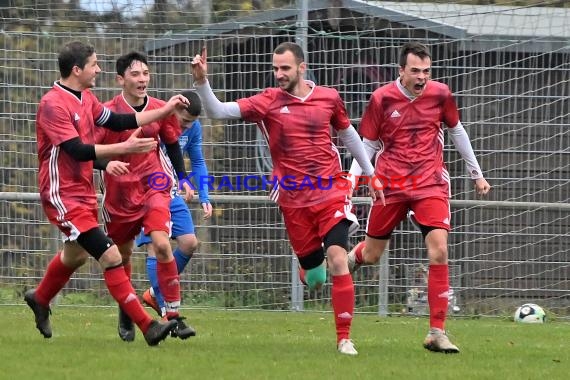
point(429, 212)
point(307, 226)
point(74, 222)
point(156, 219)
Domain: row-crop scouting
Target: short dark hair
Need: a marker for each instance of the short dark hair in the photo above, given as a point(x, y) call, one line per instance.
point(293, 48)
point(415, 48)
point(125, 61)
point(74, 53)
point(195, 106)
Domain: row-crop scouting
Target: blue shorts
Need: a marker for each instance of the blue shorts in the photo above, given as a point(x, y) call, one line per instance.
point(182, 223)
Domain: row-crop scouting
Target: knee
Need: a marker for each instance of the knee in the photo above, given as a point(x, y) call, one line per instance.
point(162, 249)
point(373, 251)
point(80, 260)
point(372, 256)
point(188, 244)
point(74, 259)
point(336, 258)
point(437, 254)
point(125, 257)
point(111, 258)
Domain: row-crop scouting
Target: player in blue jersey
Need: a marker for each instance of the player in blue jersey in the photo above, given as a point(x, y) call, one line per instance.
point(182, 224)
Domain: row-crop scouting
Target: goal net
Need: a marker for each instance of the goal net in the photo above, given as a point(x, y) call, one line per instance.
point(508, 66)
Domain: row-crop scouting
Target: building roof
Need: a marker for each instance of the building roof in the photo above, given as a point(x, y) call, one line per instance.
point(489, 20)
point(478, 26)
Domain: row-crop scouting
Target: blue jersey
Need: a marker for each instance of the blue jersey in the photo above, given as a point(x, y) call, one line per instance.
point(191, 143)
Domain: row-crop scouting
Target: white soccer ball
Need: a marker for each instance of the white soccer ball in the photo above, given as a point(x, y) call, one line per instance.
point(530, 313)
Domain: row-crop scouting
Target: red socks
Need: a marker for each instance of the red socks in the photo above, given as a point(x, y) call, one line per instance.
point(54, 280)
point(358, 252)
point(128, 269)
point(169, 283)
point(122, 291)
point(343, 304)
point(438, 295)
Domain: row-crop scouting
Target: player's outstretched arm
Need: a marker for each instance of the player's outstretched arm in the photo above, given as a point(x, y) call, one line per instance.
point(134, 144)
point(89, 152)
point(200, 67)
point(213, 107)
point(123, 121)
point(177, 102)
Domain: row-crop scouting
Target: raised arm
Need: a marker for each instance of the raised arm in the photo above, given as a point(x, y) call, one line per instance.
point(120, 122)
point(213, 107)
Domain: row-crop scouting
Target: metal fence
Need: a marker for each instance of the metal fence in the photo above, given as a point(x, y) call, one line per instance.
point(511, 85)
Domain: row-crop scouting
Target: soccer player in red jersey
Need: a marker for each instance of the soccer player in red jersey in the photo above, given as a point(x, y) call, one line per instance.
point(66, 120)
point(402, 126)
point(136, 200)
point(296, 118)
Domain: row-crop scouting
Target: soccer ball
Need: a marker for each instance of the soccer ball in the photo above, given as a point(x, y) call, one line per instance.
point(530, 313)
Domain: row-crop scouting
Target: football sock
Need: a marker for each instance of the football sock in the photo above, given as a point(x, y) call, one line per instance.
point(55, 278)
point(169, 283)
point(181, 260)
point(316, 277)
point(343, 304)
point(358, 252)
point(438, 294)
point(122, 291)
point(128, 269)
point(153, 278)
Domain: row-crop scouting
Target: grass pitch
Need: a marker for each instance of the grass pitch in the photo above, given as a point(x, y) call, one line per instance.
point(277, 345)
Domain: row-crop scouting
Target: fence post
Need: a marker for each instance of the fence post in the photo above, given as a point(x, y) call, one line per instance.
point(383, 280)
point(296, 286)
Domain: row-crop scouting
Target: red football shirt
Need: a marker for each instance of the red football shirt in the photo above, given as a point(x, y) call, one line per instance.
point(126, 195)
point(410, 133)
point(65, 183)
point(298, 132)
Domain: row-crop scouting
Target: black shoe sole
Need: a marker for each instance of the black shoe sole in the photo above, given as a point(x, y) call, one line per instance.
point(433, 349)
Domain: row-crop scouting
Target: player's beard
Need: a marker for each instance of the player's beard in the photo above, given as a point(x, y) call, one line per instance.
point(291, 83)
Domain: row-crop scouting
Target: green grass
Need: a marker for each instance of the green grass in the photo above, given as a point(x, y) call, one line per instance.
point(277, 345)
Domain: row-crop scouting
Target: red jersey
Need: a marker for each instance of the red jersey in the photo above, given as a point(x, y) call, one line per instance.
point(410, 133)
point(65, 183)
point(298, 132)
point(126, 196)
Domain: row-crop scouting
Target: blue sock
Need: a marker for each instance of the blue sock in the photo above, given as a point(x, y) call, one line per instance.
point(153, 278)
point(181, 260)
